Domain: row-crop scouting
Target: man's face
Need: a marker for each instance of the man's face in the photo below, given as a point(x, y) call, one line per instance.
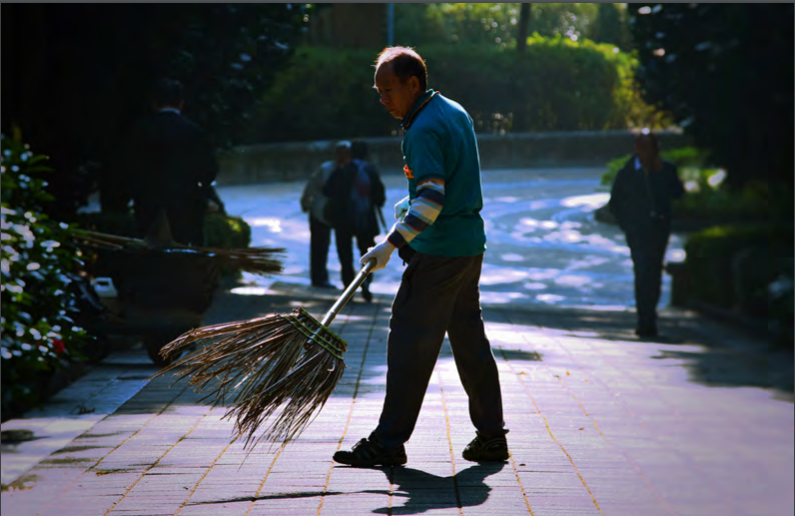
point(342, 155)
point(645, 148)
point(398, 97)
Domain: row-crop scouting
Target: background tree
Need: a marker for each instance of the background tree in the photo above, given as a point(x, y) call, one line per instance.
point(77, 75)
point(487, 23)
point(611, 26)
point(726, 73)
point(522, 28)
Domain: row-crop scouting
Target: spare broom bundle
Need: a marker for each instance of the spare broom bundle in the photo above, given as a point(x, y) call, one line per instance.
point(274, 373)
point(257, 260)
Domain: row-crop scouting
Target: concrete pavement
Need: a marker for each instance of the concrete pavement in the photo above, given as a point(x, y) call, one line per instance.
point(698, 423)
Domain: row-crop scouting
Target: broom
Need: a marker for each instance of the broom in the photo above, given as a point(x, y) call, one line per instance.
point(257, 260)
point(256, 366)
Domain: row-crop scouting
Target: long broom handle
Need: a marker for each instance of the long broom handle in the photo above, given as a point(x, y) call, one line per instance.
point(349, 293)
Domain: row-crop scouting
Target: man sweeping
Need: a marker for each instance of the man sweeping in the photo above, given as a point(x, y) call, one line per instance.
point(441, 237)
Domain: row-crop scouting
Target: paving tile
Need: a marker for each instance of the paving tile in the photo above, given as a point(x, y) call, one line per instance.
point(597, 419)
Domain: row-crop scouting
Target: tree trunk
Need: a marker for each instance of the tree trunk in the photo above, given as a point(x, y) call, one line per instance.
point(522, 28)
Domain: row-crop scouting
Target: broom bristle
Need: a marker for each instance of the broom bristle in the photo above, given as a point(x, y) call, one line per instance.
point(257, 367)
point(256, 260)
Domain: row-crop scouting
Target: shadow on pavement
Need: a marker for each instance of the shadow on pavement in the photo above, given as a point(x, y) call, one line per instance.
point(708, 360)
point(715, 363)
point(422, 491)
point(425, 491)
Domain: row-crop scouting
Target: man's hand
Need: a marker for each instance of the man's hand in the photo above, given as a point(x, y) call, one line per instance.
point(381, 253)
point(401, 208)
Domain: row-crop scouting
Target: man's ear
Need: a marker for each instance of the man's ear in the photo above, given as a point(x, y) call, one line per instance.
point(414, 84)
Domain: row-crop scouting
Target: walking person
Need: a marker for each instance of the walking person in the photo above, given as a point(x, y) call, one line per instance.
point(442, 239)
point(361, 193)
point(641, 199)
point(314, 203)
point(169, 163)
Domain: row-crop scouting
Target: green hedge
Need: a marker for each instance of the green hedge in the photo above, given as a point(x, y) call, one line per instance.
point(732, 266)
point(557, 84)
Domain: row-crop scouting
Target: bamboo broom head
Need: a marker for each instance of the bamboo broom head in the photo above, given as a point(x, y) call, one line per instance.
point(257, 260)
point(274, 372)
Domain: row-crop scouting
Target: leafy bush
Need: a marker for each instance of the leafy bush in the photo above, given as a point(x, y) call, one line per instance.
point(707, 203)
point(39, 334)
point(496, 24)
point(557, 84)
point(710, 254)
point(227, 231)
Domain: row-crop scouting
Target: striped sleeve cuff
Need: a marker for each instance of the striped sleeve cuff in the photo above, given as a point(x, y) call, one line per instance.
point(423, 211)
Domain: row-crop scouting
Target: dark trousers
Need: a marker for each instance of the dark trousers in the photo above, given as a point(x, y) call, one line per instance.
point(320, 238)
point(647, 250)
point(438, 295)
point(186, 219)
point(344, 241)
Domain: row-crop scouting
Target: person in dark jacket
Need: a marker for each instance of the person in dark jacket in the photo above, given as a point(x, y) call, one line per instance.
point(357, 195)
point(169, 162)
point(641, 199)
point(313, 202)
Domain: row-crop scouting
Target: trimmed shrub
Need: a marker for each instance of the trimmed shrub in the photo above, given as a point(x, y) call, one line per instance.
point(226, 231)
point(729, 265)
point(557, 84)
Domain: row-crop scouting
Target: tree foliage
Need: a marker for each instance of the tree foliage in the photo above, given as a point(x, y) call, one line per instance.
point(77, 75)
point(726, 73)
point(489, 23)
point(557, 84)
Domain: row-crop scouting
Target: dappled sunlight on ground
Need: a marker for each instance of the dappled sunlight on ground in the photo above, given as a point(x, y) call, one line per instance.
point(543, 245)
point(592, 201)
point(252, 291)
point(271, 223)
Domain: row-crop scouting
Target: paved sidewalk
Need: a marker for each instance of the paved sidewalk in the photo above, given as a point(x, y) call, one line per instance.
point(601, 423)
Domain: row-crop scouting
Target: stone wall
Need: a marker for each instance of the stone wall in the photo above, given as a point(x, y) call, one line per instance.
point(296, 161)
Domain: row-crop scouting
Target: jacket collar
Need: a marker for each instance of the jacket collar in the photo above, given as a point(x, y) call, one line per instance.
point(419, 105)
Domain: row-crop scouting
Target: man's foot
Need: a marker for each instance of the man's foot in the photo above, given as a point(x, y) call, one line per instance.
point(367, 295)
point(647, 331)
point(324, 285)
point(484, 449)
point(366, 453)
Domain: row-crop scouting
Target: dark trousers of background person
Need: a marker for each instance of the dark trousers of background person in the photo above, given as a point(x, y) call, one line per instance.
point(648, 250)
point(186, 219)
point(344, 240)
point(437, 295)
point(320, 238)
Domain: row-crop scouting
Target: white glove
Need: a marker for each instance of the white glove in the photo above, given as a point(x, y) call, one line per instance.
point(401, 208)
point(381, 253)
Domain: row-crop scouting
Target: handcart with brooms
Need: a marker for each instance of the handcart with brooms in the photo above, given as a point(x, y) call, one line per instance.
point(274, 373)
point(164, 288)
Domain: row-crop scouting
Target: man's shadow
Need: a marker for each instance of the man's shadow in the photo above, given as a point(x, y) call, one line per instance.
point(424, 491)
